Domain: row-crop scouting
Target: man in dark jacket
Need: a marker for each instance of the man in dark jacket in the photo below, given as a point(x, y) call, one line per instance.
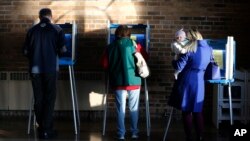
point(43, 43)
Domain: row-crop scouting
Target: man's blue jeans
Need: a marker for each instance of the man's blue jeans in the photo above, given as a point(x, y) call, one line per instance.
point(133, 103)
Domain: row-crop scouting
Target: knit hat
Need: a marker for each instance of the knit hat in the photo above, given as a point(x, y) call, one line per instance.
point(181, 33)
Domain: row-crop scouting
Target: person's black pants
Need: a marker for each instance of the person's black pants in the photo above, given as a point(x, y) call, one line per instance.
point(44, 89)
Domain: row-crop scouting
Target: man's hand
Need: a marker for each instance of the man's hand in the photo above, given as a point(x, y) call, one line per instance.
point(63, 49)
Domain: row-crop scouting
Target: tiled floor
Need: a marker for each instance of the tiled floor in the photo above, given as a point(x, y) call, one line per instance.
point(15, 129)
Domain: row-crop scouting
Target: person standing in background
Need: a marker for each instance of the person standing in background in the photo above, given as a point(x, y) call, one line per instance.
point(188, 90)
point(119, 60)
point(43, 44)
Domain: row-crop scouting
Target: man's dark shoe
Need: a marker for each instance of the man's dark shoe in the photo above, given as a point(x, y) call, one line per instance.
point(48, 135)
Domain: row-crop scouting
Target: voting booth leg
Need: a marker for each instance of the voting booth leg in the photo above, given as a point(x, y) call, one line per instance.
point(104, 116)
point(105, 106)
point(73, 98)
point(147, 108)
point(30, 116)
point(168, 123)
point(230, 103)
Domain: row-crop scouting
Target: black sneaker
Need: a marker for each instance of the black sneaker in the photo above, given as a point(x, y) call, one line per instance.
point(121, 138)
point(48, 135)
point(200, 139)
point(134, 137)
point(189, 139)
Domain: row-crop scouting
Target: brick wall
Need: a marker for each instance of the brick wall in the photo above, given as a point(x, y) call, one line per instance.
point(214, 18)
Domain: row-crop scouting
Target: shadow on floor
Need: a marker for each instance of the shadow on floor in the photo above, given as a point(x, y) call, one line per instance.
point(15, 129)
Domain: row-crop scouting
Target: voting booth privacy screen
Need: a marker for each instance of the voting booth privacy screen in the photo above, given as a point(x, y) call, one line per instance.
point(224, 55)
point(139, 33)
point(70, 43)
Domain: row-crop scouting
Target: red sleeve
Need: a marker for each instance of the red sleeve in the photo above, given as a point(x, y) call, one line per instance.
point(104, 59)
point(143, 51)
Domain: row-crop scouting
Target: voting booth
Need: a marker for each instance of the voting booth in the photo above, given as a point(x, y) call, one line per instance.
point(140, 34)
point(68, 59)
point(70, 33)
point(224, 55)
point(224, 51)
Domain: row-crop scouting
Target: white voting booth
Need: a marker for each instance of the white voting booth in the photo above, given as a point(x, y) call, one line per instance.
point(67, 59)
point(224, 51)
point(139, 33)
point(224, 54)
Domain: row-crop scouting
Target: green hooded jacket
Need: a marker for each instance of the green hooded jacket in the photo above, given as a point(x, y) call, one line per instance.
point(122, 69)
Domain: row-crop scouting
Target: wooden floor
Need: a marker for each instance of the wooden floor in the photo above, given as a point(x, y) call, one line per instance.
point(15, 129)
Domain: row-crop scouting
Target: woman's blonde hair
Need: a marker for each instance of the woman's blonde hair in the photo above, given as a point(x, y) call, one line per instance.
point(193, 35)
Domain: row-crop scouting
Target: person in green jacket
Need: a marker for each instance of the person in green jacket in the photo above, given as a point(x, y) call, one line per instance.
point(124, 79)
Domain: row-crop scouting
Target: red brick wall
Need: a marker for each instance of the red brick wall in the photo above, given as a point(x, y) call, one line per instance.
point(214, 18)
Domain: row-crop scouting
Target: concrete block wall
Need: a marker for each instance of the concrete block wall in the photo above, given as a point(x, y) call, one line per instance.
point(214, 18)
